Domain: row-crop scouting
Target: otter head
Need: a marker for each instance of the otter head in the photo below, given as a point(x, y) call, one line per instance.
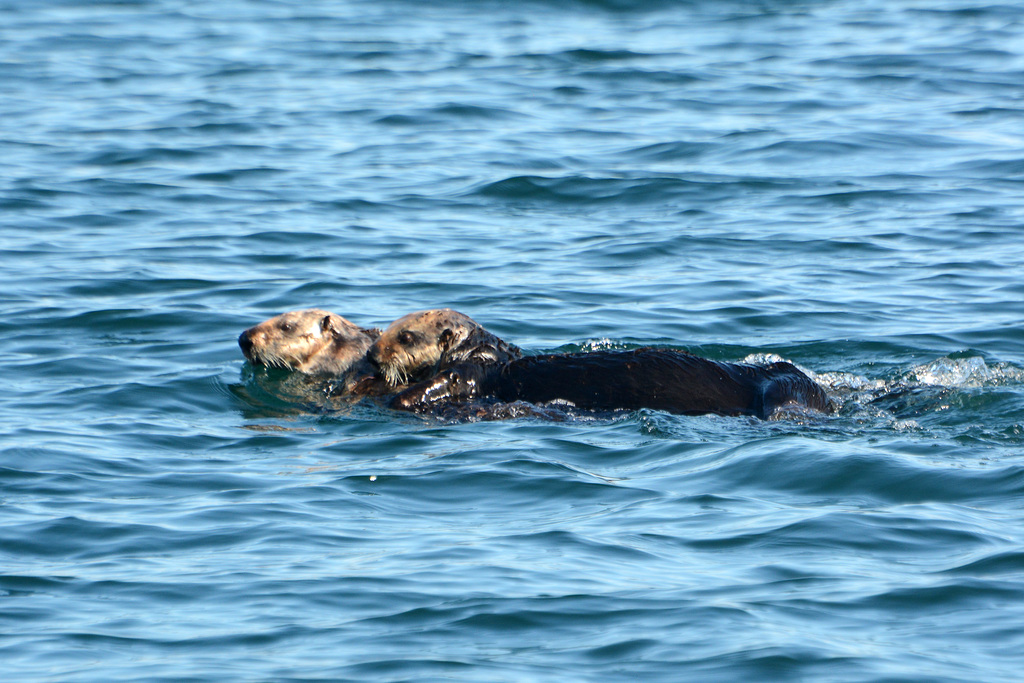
point(419, 345)
point(310, 341)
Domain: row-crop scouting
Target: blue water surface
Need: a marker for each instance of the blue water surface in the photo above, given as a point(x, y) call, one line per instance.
point(839, 184)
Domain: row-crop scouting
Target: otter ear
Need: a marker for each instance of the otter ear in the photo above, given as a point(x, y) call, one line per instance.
point(445, 340)
point(327, 325)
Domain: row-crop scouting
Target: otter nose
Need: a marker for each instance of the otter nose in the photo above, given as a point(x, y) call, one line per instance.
point(373, 356)
point(245, 343)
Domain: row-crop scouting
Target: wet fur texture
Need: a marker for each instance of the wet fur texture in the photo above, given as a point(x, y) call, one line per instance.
point(418, 345)
point(311, 341)
point(658, 379)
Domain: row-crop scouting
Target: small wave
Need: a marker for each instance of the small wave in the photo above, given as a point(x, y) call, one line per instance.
point(637, 190)
point(467, 111)
point(1002, 562)
point(668, 151)
point(961, 397)
point(148, 155)
point(764, 359)
point(604, 344)
point(964, 372)
point(810, 468)
point(229, 175)
point(947, 373)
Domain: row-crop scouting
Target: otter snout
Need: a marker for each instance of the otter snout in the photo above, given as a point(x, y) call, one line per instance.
point(373, 356)
point(245, 343)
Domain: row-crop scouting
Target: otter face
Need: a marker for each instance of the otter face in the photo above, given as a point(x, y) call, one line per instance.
point(421, 344)
point(416, 344)
point(311, 341)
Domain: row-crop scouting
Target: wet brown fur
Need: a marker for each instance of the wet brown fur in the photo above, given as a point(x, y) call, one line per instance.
point(420, 344)
point(658, 379)
point(311, 341)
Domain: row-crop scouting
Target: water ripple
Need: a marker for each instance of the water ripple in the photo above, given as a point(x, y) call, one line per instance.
point(835, 184)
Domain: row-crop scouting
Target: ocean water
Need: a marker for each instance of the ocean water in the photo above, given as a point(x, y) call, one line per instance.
point(837, 183)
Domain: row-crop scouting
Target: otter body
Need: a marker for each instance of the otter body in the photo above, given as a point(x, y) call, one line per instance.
point(659, 379)
point(460, 365)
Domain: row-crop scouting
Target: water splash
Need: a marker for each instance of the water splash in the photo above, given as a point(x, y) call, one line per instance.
point(963, 372)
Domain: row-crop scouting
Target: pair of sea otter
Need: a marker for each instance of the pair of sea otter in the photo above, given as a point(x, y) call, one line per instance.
point(432, 360)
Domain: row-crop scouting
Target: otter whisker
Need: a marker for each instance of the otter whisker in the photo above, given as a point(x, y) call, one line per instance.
point(394, 374)
point(269, 360)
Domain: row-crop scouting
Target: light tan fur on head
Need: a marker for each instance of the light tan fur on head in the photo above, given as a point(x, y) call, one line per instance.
point(418, 345)
point(312, 341)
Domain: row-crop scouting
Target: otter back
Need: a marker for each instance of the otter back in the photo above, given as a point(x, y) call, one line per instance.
point(659, 379)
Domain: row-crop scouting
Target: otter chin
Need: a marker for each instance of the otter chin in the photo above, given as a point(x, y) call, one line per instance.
point(419, 345)
point(311, 341)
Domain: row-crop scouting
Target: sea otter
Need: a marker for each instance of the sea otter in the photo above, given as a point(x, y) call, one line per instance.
point(312, 341)
point(316, 343)
point(418, 345)
point(659, 379)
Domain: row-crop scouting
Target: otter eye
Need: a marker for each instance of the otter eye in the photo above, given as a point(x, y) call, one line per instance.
point(406, 338)
point(287, 327)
